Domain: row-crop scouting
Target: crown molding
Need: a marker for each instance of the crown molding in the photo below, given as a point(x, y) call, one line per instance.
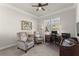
point(36, 17)
point(62, 10)
point(19, 10)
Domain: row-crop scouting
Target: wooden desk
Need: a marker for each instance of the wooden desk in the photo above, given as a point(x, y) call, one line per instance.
point(69, 51)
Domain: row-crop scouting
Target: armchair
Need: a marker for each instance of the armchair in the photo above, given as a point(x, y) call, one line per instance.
point(38, 38)
point(24, 42)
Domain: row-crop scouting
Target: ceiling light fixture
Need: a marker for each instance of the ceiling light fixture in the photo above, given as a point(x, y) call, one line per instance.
point(39, 8)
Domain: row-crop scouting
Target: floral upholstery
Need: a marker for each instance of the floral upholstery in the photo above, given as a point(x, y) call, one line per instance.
point(24, 42)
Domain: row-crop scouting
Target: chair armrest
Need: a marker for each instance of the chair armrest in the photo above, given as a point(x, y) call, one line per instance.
point(30, 38)
point(21, 41)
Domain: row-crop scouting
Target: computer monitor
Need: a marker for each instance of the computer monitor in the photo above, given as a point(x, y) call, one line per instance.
point(66, 35)
point(55, 32)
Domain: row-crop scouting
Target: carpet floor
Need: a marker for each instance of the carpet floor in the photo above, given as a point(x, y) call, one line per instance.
point(37, 50)
point(43, 50)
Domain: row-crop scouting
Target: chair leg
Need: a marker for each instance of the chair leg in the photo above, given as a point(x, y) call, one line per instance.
point(25, 51)
point(17, 47)
point(33, 45)
point(42, 42)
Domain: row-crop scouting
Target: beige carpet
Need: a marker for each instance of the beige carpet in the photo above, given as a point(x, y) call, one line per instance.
point(43, 50)
point(38, 50)
point(12, 51)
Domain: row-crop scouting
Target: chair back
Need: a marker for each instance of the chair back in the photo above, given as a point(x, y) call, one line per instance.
point(22, 36)
point(37, 34)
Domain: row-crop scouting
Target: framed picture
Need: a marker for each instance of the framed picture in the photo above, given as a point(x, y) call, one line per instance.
point(26, 25)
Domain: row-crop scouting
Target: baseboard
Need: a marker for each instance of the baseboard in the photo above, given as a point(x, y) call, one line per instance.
point(1, 48)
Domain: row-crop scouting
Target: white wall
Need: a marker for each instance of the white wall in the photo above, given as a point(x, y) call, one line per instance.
point(77, 11)
point(77, 19)
point(10, 25)
point(68, 19)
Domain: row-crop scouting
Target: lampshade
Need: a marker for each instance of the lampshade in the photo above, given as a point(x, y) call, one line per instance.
point(56, 26)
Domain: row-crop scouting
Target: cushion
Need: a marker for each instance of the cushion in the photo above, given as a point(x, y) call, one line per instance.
point(24, 37)
point(37, 35)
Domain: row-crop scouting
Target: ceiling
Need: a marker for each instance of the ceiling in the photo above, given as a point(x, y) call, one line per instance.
point(52, 7)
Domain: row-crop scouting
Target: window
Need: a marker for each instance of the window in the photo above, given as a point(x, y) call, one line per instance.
point(52, 24)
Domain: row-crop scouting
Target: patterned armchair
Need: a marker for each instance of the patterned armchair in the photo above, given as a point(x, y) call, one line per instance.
point(24, 42)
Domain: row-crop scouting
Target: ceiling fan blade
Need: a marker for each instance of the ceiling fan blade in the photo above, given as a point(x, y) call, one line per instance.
point(45, 4)
point(42, 8)
point(34, 5)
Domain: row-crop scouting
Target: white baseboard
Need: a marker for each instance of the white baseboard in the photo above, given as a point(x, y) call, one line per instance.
point(1, 48)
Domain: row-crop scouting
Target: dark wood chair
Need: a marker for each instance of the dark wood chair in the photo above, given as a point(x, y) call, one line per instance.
point(54, 38)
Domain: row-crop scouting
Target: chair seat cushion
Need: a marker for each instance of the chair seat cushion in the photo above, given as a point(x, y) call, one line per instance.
point(30, 44)
point(24, 37)
point(40, 38)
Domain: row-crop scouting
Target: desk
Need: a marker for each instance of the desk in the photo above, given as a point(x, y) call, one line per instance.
point(66, 51)
point(69, 50)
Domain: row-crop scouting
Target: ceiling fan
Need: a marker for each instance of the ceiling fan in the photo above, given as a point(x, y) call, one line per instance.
point(40, 6)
